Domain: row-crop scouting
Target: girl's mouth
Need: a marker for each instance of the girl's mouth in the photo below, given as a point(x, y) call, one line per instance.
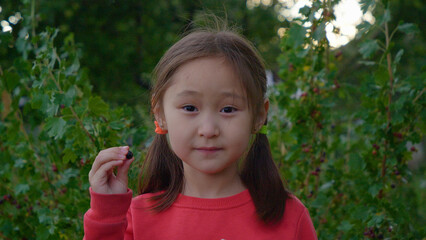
point(208, 150)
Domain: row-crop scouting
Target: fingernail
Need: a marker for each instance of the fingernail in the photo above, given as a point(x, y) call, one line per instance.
point(124, 149)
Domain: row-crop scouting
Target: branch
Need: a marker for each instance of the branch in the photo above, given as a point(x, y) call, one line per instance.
point(72, 110)
point(391, 79)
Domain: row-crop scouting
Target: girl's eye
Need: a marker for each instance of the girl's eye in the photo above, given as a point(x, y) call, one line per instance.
point(189, 108)
point(228, 109)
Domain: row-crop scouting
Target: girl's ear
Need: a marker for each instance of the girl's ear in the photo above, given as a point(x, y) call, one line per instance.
point(159, 117)
point(263, 115)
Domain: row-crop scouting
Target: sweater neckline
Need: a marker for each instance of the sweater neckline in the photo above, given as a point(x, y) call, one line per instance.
point(233, 201)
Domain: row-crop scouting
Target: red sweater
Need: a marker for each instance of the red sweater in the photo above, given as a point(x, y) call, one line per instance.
point(118, 216)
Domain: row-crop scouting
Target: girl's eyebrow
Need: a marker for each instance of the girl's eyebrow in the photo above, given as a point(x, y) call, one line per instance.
point(224, 94)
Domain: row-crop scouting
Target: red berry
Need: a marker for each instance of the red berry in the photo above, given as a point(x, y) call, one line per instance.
point(54, 168)
point(306, 149)
point(377, 147)
point(413, 149)
point(338, 54)
point(82, 162)
point(291, 67)
point(314, 173)
point(336, 84)
point(316, 90)
point(374, 152)
point(304, 94)
point(398, 135)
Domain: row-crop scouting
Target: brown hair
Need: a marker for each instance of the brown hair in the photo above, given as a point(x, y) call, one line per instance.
point(163, 170)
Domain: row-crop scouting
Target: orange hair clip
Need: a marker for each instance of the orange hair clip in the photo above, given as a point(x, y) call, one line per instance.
point(158, 129)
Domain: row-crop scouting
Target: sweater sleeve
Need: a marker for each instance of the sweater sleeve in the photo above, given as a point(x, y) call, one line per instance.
point(305, 227)
point(107, 216)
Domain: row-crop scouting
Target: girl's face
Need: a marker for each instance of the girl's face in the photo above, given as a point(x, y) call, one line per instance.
point(206, 113)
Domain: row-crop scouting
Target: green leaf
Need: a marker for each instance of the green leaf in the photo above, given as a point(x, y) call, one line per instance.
point(42, 233)
point(374, 189)
point(345, 226)
point(55, 127)
point(326, 185)
point(66, 175)
point(408, 28)
point(73, 68)
point(296, 36)
point(386, 16)
point(20, 163)
point(376, 220)
point(319, 33)
point(117, 125)
point(69, 156)
point(97, 106)
point(398, 56)
point(362, 28)
point(11, 80)
point(52, 108)
point(39, 100)
point(305, 11)
point(366, 4)
point(356, 163)
point(368, 48)
point(21, 189)
point(69, 96)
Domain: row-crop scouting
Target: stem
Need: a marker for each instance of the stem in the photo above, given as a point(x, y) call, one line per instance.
point(45, 173)
point(391, 79)
point(418, 96)
point(33, 22)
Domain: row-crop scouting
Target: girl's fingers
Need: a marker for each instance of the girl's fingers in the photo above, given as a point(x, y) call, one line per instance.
point(106, 155)
point(100, 177)
point(123, 169)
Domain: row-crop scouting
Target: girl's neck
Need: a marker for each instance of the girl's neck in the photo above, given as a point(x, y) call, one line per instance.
point(201, 185)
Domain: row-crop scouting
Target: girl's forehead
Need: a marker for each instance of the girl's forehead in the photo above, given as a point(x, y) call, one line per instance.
point(210, 74)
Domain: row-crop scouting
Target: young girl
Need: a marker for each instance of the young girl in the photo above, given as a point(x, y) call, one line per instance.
point(209, 173)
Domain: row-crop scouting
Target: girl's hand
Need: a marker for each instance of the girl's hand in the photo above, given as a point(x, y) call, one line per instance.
point(102, 178)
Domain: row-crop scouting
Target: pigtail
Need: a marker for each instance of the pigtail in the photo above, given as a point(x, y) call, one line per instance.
point(262, 178)
point(161, 171)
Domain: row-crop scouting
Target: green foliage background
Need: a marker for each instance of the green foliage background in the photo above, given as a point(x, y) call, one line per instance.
point(75, 80)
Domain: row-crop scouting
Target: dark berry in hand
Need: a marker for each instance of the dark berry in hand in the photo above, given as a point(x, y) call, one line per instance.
point(129, 155)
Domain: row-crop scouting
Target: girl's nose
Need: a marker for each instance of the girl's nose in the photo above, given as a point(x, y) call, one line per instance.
point(208, 128)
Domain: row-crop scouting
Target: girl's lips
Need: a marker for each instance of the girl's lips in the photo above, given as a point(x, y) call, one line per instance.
point(208, 151)
point(208, 148)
